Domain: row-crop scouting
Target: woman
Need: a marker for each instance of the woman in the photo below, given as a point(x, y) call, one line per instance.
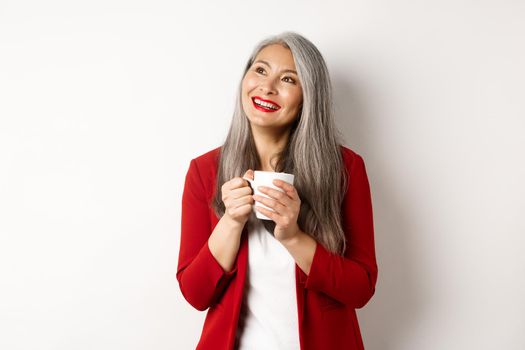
point(293, 282)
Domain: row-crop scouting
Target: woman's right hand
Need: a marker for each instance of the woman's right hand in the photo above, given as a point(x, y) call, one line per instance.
point(237, 198)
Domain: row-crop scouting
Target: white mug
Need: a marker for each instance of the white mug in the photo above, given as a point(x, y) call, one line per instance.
point(265, 178)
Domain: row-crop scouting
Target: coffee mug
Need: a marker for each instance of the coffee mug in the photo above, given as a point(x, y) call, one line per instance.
point(265, 178)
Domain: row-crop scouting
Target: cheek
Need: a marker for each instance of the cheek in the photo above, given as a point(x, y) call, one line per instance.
point(294, 99)
point(248, 83)
point(245, 88)
point(298, 97)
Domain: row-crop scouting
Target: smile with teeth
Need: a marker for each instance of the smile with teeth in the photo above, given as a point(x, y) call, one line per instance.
point(265, 105)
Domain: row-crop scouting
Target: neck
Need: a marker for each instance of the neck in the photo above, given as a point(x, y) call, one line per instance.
point(268, 143)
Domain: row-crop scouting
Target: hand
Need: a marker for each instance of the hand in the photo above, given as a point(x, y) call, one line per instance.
point(286, 208)
point(237, 198)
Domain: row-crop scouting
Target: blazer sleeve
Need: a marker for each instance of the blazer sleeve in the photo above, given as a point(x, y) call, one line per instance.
point(201, 278)
point(350, 279)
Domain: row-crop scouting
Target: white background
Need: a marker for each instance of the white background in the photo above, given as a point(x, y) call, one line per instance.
point(104, 103)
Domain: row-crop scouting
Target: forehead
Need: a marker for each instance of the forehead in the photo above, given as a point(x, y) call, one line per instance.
point(277, 56)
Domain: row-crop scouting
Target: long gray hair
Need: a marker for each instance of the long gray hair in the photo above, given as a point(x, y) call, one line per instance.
point(312, 154)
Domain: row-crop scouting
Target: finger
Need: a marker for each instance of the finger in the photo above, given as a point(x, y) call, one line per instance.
point(238, 182)
point(272, 203)
point(239, 202)
point(249, 174)
point(239, 210)
point(287, 187)
point(271, 214)
point(282, 197)
point(241, 192)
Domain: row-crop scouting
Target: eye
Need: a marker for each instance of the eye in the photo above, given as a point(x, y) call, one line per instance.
point(257, 69)
point(291, 80)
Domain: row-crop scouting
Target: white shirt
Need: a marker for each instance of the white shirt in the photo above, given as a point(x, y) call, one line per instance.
point(268, 318)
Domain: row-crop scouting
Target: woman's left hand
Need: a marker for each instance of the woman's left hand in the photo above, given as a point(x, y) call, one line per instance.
point(286, 208)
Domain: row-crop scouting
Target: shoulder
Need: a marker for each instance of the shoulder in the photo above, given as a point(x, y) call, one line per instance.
point(350, 157)
point(208, 159)
point(204, 166)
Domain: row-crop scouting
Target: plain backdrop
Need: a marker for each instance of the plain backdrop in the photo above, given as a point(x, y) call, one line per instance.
point(104, 103)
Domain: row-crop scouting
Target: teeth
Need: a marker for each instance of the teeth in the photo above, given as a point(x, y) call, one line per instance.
point(265, 104)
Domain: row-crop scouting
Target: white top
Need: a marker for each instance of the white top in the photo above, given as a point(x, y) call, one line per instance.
point(268, 318)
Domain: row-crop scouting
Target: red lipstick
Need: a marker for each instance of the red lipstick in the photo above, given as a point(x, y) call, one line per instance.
point(263, 108)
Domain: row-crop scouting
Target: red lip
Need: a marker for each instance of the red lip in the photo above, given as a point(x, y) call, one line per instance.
point(263, 109)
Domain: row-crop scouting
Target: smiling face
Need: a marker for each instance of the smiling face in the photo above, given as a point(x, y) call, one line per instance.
point(271, 91)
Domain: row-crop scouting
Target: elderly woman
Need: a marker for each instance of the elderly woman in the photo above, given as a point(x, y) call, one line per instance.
point(292, 282)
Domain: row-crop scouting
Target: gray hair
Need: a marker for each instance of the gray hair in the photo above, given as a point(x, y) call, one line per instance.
point(312, 154)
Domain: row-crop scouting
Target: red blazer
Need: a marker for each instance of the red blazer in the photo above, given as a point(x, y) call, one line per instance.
point(326, 298)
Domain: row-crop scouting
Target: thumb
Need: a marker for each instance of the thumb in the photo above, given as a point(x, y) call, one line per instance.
point(249, 174)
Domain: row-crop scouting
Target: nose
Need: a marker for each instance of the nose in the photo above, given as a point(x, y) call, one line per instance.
point(266, 86)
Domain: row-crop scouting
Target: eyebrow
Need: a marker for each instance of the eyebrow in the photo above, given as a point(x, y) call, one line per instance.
point(284, 70)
